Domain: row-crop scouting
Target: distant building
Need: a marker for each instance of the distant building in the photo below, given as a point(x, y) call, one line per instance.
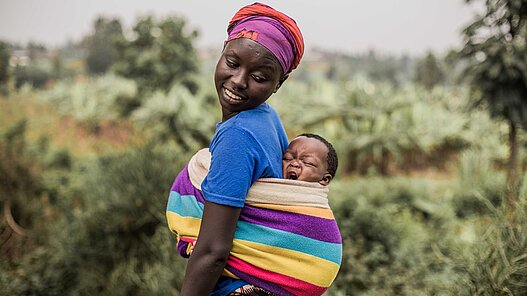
point(19, 57)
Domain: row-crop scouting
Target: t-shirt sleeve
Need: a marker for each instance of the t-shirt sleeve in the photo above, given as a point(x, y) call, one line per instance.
point(233, 168)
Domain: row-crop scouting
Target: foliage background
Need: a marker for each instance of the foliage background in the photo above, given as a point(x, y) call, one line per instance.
point(89, 148)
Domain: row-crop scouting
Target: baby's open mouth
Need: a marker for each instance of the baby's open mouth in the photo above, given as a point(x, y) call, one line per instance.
point(291, 176)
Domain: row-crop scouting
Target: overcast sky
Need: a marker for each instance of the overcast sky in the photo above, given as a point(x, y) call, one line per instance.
point(354, 26)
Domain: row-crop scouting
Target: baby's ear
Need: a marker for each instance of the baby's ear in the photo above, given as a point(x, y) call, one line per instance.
point(326, 179)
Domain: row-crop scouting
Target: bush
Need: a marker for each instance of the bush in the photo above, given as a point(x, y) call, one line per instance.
point(497, 264)
point(480, 188)
point(93, 101)
point(110, 236)
point(397, 236)
point(31, 74)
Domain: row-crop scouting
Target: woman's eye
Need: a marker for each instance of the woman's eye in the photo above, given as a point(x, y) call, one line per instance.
point(231, 64)
point(258, 79)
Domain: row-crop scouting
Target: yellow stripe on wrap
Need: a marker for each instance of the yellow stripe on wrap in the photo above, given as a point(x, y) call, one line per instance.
point(295, 264)
point(287, 262)
point(183, 226)
point(311, 211)
point(229, 274)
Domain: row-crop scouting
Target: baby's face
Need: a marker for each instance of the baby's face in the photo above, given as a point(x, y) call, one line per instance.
point(306, 160)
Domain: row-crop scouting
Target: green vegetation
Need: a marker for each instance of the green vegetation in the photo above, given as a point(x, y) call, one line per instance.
point(101, 45)
point(422, 196)
point(496, 50)
point(160, 54)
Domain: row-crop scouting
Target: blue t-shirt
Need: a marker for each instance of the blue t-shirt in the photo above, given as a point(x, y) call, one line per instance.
point(244, 148)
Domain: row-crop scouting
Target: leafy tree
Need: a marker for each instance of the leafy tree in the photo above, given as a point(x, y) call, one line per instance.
point(428, 72)
point(496, 52)
point(31, 74)
point(57, 66)
point(4, 66)
point(37, 71)
point(382, 68)
point(101, 45)
point(161, 54)
point(35, 50)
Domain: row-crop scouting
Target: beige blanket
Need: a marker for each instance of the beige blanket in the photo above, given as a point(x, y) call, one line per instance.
point(297, 193)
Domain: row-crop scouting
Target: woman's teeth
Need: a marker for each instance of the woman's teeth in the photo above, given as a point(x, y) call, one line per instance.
point(232, 95)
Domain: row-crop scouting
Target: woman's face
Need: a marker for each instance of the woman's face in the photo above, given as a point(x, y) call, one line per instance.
point(247, 74)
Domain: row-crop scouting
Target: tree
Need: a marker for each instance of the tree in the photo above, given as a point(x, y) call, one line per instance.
point(101, 45)
point(496, 53)
point(4, 66)
point(35, 51)
point(428, 72)
point(161, 54)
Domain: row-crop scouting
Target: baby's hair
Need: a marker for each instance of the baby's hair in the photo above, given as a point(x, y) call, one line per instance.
point(333, 161)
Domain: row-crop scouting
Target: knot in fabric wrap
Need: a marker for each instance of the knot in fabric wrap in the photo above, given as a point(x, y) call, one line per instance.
point(272, 29)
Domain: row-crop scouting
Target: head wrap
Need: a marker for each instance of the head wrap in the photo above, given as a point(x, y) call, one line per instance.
point(272, 29)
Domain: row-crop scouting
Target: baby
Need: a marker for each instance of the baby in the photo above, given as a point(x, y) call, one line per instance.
point(310, 158)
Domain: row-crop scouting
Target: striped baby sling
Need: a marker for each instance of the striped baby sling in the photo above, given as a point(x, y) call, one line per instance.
point(286, 241)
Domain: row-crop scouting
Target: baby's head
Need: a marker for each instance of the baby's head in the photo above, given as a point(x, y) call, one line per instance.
point(310, 158)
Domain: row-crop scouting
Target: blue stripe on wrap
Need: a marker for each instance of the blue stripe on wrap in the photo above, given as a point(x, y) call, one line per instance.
point(184, 205)
point(287, 240)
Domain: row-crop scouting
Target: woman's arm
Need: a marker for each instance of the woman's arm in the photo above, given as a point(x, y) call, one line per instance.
point(208, 258)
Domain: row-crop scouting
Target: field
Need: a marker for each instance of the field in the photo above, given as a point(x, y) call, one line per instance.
point(419, 194)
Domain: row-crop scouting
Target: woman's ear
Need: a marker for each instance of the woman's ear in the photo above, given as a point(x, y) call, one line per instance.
point(326, 179)
point(282, 79)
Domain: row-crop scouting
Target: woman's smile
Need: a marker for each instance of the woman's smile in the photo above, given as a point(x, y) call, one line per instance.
point(232, 96)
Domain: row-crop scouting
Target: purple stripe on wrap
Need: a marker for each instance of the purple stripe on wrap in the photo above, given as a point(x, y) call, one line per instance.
point(271, 287)
point(321, 229)
point(183, 186)
point(182, 248)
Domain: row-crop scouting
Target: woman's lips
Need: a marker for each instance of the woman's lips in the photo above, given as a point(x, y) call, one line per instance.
point(230, 96)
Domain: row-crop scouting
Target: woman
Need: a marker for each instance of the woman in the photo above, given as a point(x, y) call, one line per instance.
point(262, 48)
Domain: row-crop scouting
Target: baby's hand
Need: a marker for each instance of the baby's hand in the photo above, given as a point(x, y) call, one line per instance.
point(191, 247)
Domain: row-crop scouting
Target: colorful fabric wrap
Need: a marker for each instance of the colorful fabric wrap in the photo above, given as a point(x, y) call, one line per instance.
point(287, 240)
point(272, 29)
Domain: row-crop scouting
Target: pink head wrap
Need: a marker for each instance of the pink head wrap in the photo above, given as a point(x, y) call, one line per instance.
point(264, 26)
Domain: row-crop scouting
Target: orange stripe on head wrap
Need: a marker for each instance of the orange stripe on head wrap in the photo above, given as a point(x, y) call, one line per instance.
point(286, 21)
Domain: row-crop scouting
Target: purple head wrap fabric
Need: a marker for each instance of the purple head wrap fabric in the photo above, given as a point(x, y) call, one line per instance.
point(269, 33)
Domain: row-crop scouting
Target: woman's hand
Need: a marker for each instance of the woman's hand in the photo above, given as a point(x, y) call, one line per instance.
point(207, 260)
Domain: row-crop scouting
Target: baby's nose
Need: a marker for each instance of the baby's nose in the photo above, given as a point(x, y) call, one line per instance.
point(295, 164)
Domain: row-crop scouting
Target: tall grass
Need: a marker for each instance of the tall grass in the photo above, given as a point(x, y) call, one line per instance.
point(497, 264)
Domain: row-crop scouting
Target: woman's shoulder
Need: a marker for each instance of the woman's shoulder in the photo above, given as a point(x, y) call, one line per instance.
point(262, 113)
point(261, 124)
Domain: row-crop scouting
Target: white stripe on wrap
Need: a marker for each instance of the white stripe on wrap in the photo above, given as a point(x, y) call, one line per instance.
point(266, 190)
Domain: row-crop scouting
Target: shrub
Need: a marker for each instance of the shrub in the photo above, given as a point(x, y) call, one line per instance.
point(33, 75)
point(110, 237)
point(480, 188)
point(497, 264)
point(397, 234)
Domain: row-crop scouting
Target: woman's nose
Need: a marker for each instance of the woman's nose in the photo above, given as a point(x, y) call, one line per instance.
point(239, 80)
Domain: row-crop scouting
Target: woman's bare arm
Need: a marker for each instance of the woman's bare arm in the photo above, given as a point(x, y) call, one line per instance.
point(208, 258)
